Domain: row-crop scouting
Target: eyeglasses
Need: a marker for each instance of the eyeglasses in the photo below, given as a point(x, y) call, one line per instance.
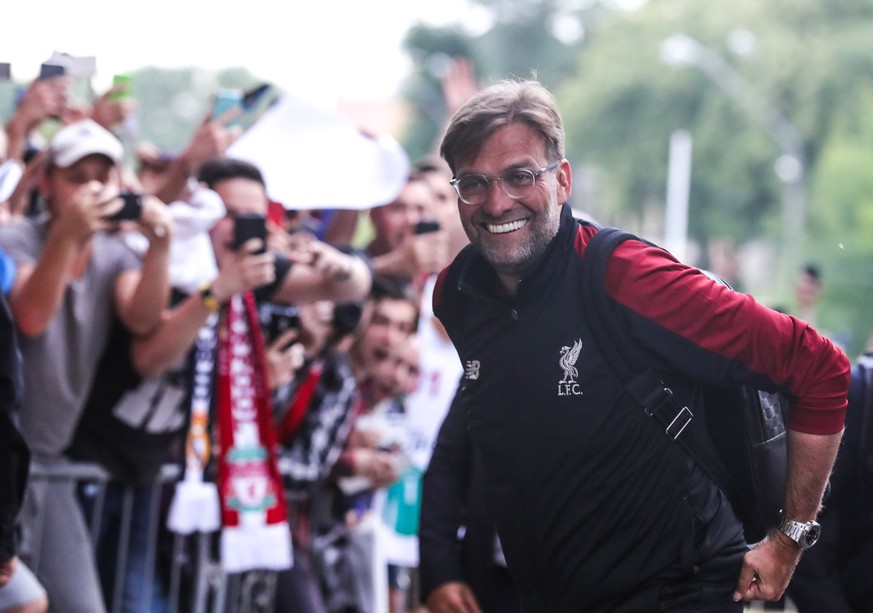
point(516, 183)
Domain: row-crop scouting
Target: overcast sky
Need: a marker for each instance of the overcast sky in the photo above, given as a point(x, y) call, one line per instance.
point(346, 49)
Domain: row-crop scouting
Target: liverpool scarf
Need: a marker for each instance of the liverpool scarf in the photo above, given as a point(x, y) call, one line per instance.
point(255, 532)
point(254, 528)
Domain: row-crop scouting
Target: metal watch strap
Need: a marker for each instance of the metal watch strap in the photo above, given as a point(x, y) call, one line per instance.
point(805, 534)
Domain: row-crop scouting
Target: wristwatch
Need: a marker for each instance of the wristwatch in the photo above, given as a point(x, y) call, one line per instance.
point(805, 534)
point(209, 299)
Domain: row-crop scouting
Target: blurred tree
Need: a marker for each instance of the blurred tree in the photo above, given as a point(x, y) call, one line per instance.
point(431, 50)
point(525, 38)
point(803, 59)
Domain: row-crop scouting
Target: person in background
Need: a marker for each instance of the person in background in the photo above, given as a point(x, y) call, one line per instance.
point(597, 509)
point(373, 453)
point(74, 274)
point(834, 576)
point(313, 413)
point(807, 293)
point(20, 592)
point(318, 272)
point(400, 248)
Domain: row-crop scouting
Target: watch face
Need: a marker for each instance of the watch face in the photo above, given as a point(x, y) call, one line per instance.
point(810, 535)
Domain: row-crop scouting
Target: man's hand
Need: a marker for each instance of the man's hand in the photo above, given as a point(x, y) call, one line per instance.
point(110, 110)
point(243, 270)
point(767, 568)
point(284, 358)
point(44, 98)
point(454, 597)
point(210, 140)
point(87, 211)
point(380, 467)
point(7, 568)
point(459, 84)
point(155, 222)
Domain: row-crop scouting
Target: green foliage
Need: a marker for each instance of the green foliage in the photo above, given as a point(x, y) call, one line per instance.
point(431, 50)
point(803, 61)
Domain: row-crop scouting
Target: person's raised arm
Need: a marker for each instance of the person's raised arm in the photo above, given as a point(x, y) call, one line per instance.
point(141, 296)
point(44, 98)
point(322, 272)
point(416, 254)
point(110, 109)
point(39, 288)
point(210, 140)
point(173, 338)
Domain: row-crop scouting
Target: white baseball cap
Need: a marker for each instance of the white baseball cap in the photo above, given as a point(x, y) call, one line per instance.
point(81, 139)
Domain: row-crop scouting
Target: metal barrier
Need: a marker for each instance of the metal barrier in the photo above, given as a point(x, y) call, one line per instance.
point(190, 575)
point(195, 581)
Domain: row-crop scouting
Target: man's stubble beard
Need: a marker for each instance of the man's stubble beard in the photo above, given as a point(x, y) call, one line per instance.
point(542, 229)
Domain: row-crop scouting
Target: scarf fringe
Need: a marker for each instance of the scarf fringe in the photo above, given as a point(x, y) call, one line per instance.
point(265, 546)
point(195, 508)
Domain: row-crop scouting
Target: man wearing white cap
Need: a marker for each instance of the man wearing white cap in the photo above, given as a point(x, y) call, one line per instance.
point(75, 274)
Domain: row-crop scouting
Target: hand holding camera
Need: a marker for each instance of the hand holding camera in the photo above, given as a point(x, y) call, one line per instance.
point(285, 354)
point(43, 99)
point(115, 106)
point(248, 265)
point(150, 213)
point(247, 227)
point(427, 249)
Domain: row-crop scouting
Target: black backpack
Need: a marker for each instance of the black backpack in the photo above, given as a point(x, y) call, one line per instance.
point(738, 436)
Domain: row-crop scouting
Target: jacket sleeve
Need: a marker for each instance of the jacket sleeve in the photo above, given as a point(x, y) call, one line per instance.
point(443, 508)
point(699, 327)
point(14, 454)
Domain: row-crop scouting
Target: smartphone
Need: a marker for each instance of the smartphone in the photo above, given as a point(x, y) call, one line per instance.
point(124, 81)
point(225, 99)
point(249, 226)
point(131, 209)
point(282, 319)
point(5, 71)
point(48, 70)
point(424, 227)
point(251, 97)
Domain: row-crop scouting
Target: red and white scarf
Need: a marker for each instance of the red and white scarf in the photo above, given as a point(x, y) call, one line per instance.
point(255, 532)
point(254, 526)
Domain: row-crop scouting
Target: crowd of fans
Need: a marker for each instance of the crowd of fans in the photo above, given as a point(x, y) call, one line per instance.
point(170, 312)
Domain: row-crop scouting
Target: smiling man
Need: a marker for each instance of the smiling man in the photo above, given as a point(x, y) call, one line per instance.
point(596, 509)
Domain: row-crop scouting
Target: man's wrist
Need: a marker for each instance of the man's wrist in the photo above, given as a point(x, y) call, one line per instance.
point(209, 299)
point(803, 534)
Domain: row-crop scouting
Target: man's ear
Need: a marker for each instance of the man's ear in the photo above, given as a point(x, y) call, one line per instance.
point(565, 181)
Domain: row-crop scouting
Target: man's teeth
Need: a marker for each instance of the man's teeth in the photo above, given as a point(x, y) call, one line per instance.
point(506, 227)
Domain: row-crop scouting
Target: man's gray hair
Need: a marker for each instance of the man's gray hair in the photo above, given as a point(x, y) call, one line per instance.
point(497, 106)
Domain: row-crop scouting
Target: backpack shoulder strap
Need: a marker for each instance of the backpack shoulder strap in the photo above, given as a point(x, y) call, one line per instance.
point(642, 384)
point(865, 366)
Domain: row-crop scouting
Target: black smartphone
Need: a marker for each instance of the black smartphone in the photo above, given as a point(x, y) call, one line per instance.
point(423, 227)
point(131, 209)
point(282, 319)
point(252, 96)
point(247, 227)
point(48, 70)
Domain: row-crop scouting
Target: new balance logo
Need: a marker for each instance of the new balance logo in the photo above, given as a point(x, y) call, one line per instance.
point(471, 369)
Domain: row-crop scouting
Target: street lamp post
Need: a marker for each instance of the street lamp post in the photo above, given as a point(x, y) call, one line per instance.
point(790, 166)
